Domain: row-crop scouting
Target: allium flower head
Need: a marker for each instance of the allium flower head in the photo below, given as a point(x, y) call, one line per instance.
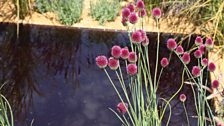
point(198, 54)
point(116, 51)
point(202, 48)
point(143, 34)
point(164, 62)
point(133, 18)
point(171, 44)
point(209, 43)
point(113, 63)
point(136, 37)
point(142, 13)
point(182, 97)
point(179, 50)
point(196, 71)
point(124, 53)
point(215, 84)
point(198, 40)
point(140, 4)
point(204, 62)
point(101, 61)
point(122, 108)
point(125, 12)
point(145, 42)
point(186, 58)
point(131, 7)
point(156, 12)
point(211, 67)
point(132, 69)
point(132, 57)
point(124, 21)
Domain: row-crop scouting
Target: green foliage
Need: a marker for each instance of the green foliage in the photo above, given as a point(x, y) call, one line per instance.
point(43, 6)
point(104, 10)
point(68, 11)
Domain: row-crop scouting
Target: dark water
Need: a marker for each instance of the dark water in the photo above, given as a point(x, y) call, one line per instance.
point(52, 77)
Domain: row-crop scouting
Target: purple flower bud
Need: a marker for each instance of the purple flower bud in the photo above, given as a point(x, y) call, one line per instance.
point(186, 58)
point(211, 67)
point(132, 57)
point(215, 84)
point(196, 71)
point(136, 37)
point(131, 7)
point(198, 40)
point(133, 18)
point(179, 50)
point(197, 54)
point(140, 4)
point(124, 53)
point(204, 62)
point(182, 97)
point(209, 43)
point(122, 108)
point(171, 44)
point(164, 62)
point(113, 63)
point(132, 69)
point(116, 51)
point(156, 12)
point(125, 12)
point(101, 61)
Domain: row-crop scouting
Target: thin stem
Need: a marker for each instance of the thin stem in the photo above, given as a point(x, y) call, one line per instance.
point(185, 110)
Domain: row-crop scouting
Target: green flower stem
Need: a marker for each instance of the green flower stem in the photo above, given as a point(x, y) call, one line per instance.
point(119, 96)
point(157, 52)
point(185, 110)
point(182, 84)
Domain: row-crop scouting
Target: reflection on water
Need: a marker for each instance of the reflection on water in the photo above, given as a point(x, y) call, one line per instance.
point(52, 77)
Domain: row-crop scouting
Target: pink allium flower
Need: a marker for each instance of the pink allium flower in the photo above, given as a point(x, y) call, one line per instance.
point(122, 108)
point(186, 58)
point(116, 51)
point(142, 13)
point(196, 71)
point(145, 42)
point(101, 61)
point(156, 12)
point(133, 18)
point(182, 97)
point(171, 44)
point(215, 84)
point(209, 43)
point(124, 21)
point(204, 62)
point(164, 62)
point(198, 54)
point(131, 7)
point(136, 37)
point(140, 4)
point(124, 53)
point(125, 12)
point(132, 57)
point(132, 69)
point(143, 35)
point(202, 48)
point(211, 67)
point(113, 63)
point(198, 40)
point(179, 50)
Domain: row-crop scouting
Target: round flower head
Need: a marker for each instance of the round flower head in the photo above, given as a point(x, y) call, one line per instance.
point(122, 108)
point(145, 42)
point(113, 63)
point(132, 69)
point(116, 51)
point(124, 21)
point(211, 67)
point(179, 50)
point(171, 44)
point(198, 40)
point(143, 35)
point(133, 18)
point(124, 53)
point(131, 7)
point(125, 12)
point(142, 13)
point(101, 61)
point(196, 71)
point(156, 12)
point(164, 62)
point(182, 97)
point(132, 57)
point(186, 58)
point(204, 62)
point(215, 84)
point(202, 48)
point(140, 4)
point(136, 37)
point(197, 54)
point(209, 43)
